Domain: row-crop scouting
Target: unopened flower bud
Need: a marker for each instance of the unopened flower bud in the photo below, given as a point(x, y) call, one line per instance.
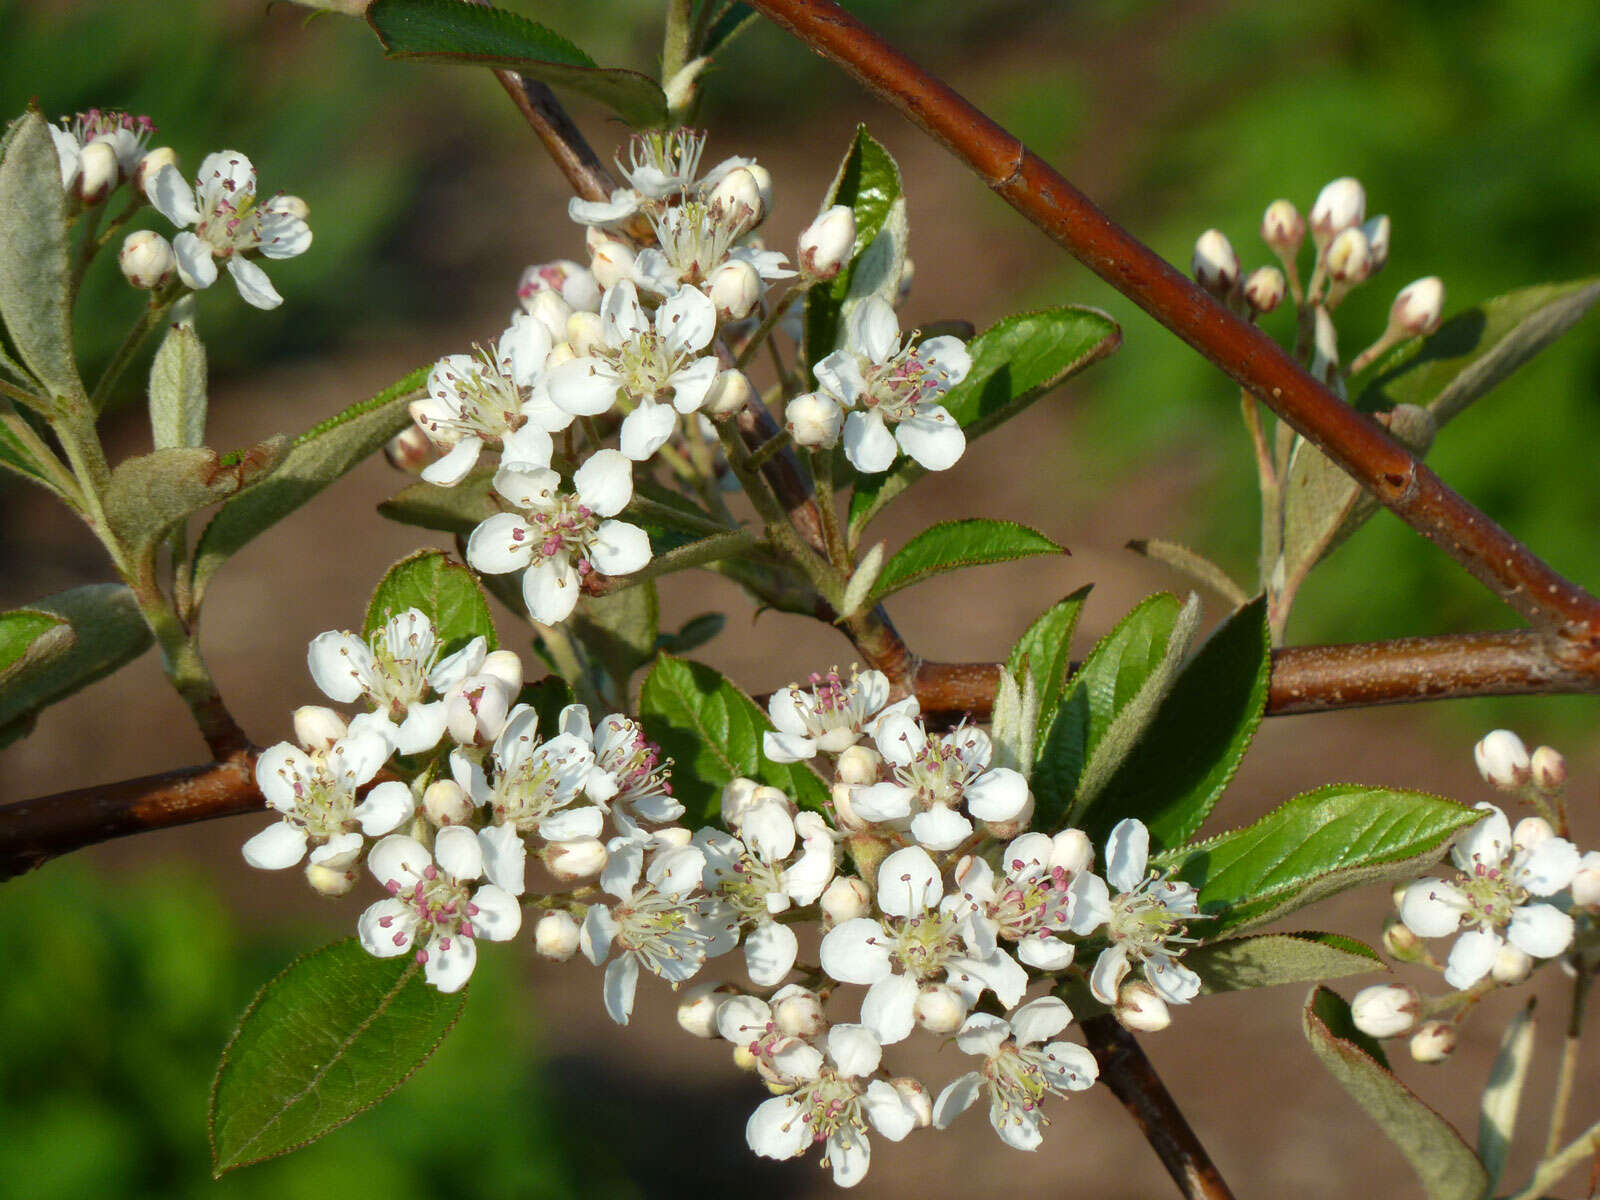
point(555, 935)
point(744, 1059)
point(612, 263)
point(1340, 205)
point(146, 259)
point(1377, 231)
point(859, 765)
point(1511, 966)
point(670, 837)
point(814, 420)
point(571, 861)
point(1549, 769)
point(1402, 944)
point(445, 803)
point(730, 393)
point(505, 666)
point(318, 728)
point(939, 1008)
point(476, 710)
point(97, 172)
point(1283, 228)
point(844, 810)
point(410, 450)
point(738, 195)
point(329, 880)
point(763, 178)
point(1417, 309)
point(734, 287)
point(559, 353)
point(825, 244)
point(571, 281)
point(550, 310)
point(1006, 830)
point(1503, 760)
point(1530, 831)
point(1385, 1010)
point(1140, 1009)
point(797, 1012)
point(697, 1010)
point(1216, 266)
point(585, 331)
point(1349, 257)
point(1073, 852)
point(1433, 1042)
point(741, 795)
point(1586, 883)
point(150, 166)
point(915, 1097)
point(845, 899)
point(1264, 289)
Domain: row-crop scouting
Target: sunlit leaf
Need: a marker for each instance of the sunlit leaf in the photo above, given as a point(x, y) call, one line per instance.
point(445, 592)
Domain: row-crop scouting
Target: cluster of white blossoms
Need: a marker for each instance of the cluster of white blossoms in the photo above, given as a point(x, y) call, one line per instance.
point(1519, 894)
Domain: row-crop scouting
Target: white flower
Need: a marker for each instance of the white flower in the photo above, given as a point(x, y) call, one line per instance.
point(393, 670)
point(572, 281)
point(919, 942)
point(1032, 901)
point(228, 223)
point(1144, 920)
point(536, 785)
point(1500, 873)
point(934, 778)
point(658, 925)
point(660, 165)
point(126, 134)
point(643, 363)
point(750, 874)
point(493, 398)
point(1017, 1071)
point(628, 779)
point(315, 791)
point(695, 238)
point(814, 420)
point(559, 538)
point(833, 1102)
point(884, 384)
point(830, 717)
point(437, 904)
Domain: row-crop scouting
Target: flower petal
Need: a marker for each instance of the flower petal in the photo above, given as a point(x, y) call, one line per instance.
point(932, 437)
point(501, 544)
point(386, 928)
point(956, 1098)
point(277, 846)
point(385, 809)
point(1127, 854)
point(605, 482)
point(1039, 1020)
point(646, 429)
point(450, 962)
point(1471, 957)
point(619, 548)
point(908, 883)
point(505, 857)
point(769, 953)
point(889, 1008)
point(499, 916)
point(856, 951)
point(868, 444)
point(254, 287)
point(622, 979)
point(1541, 930)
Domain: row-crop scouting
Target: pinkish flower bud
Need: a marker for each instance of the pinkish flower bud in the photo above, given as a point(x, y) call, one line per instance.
point(1530, 831)
point(1216, 266)
point(570, 281)
point(97, 172)
point(1264, 289)
point(1401, 943)
point(1549, 769)
point(445, 803)
point(150, 166)
point(1349, 257)
point(1377, 231)
point(1434, 1042)
point(410, 450)
point(814, 420)
point(1419, 306)
point(738, 195)
point(734, 287)
point(1140, 1009)
point(1283, 228)
point(858, 765)
point(1340, 205)
point(556, 936)
point(571, 861)
point(1503, 760)
point(729, 394)
point(845, 899)
point(146, 259)
point(825, 244)
point(318, 728)
point(1385, 1010)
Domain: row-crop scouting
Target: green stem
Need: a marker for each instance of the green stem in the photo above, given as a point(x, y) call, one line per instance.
point(1553, 1168)
point(666, 514)
point(822, 475)
point(676, 44)
point(88, 245)
point(155, 311)
point(768, 323)
point(768, 448)
point(24, 397)
point(1569, 1064)
point(695, 554)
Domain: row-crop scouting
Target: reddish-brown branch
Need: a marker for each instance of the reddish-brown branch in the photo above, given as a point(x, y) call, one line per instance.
point(554, 128)
point(1359, 446)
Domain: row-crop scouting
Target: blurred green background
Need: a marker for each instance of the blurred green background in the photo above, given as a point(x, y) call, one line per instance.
point(1474, 125)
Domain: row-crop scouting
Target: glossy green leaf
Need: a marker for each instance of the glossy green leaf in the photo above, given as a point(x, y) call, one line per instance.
point(178, 390)
point(1270, 959)
point(951, 545)
point(323, 1042)
point(1014, 362)
point(1474, 350)
point(869, 182)
point(35, 277)
point(1109, 679)
point(445, 592)
point(1502, 1096)
point(1319, 843)
point(107, 632)
point(1046, 649)
point(29, 638)
point(1447, 1169)
point(151, 493)
point(317, 457)
point(459, 509)
point(694, 633)
point(712, 732)
point(620, 629)
point(447, 31)
point(1193, 745)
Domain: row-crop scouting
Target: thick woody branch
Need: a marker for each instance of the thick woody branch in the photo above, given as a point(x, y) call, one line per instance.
point(1375, 460)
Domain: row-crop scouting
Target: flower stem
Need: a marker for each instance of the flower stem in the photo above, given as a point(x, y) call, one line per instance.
point(1569, 1064)
point(154, 312)
point(822, 473)
point(768, 323)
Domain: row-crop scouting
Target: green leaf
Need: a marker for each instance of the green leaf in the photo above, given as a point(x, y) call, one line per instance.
point(35, 278)
point(547, 697)
point(1317, 844)
point(447, 31)
point(1014, 362)
point(151, 493)
point(734, 21)
point(620, 630)
point(951, 545)
point(1190, 751)
point(1497, 1112)
point(877, 271)
point(1269, 959)
point(323, 1042)
point(869, 182)
point(712, 732)
point(30, 638)
point(1194, 565)
point(178, 390)
point(107, 631)
point(459, 509)
point(1046, 649)
point(15, 455)
point(1474, 350)
point(694, 633)
point(446, 593)
point(1109, 679)
point(1447, 1169)
point(318, 457)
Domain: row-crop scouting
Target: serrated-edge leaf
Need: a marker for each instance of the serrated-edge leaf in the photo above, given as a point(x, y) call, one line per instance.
point(951, 545)
point(1272, 959)
point(1497, 1111)
point(447, 31)
point(1331, 838)
point(866, 160)
point(109, 632)
point(404, 976)
point(1447, 1169)
point(315, 459)
point(425, 580)
point(1046, 649)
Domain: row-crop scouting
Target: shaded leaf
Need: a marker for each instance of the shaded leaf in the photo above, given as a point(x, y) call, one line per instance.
point(323, 1042)
point(869, 182)
point(1270, 959)
point(1447, 1169)
point(151, 493)
point(447, 31)
point(178, 390)
point(734, 21)
point(446, 593)
point(459, 509)
point(1497, 1112)
point(15, 454)
point(1046, 650)
point(951, 545)
point(620, 629)
point(547, 697)
point(1317, 844)
point(694, 632)
point(1194, 565)
point(107, 632)
point(29, 638)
